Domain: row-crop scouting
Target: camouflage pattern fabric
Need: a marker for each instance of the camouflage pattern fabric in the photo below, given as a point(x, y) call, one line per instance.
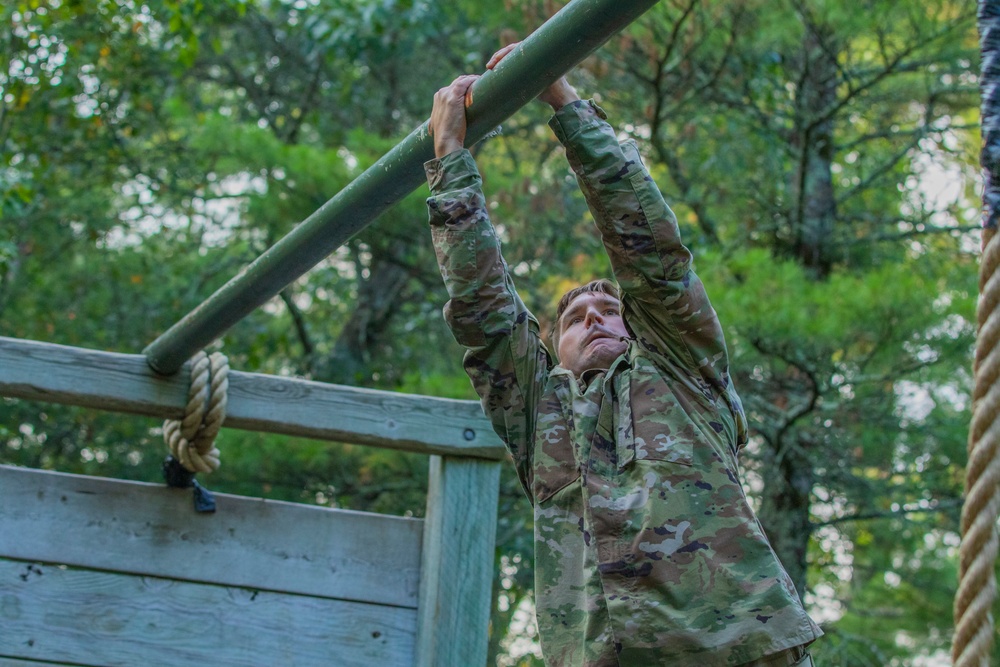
point(646, 549)
point(793, 657)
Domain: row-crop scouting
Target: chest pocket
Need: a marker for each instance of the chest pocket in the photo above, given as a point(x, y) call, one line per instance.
point(555, 465)
point(657, 423)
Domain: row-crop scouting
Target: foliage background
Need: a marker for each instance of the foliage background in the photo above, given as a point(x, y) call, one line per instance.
point(821, 157)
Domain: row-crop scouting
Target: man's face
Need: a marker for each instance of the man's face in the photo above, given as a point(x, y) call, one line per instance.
point(591, 332)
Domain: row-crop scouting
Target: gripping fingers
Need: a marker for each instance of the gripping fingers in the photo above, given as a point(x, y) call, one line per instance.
point(447, 123)
point(450, 95)
point(461, 89)
point(463, 84)
point(500, 55)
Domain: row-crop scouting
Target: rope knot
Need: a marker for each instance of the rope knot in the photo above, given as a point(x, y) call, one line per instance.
point(191, 440)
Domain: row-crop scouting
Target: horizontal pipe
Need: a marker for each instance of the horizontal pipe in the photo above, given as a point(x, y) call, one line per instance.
point(548, 53)
point(124, 383)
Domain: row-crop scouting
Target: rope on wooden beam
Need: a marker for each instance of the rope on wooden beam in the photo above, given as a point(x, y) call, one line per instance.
point(192, 439)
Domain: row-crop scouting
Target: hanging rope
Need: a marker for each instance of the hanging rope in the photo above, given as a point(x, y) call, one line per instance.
point(192, 440)
point(977, 556)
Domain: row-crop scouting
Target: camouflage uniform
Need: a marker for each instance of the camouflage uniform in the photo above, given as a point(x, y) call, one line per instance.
point(646, 550)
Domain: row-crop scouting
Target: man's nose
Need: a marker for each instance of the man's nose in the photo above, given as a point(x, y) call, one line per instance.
point(594, 316)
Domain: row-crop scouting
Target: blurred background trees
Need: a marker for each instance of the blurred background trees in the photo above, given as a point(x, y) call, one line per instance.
point(821, 158)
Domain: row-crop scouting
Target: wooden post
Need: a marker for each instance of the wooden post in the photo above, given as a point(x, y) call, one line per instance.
point(458, 562)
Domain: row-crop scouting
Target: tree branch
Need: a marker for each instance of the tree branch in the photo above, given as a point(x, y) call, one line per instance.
point(904, 510)
point(299, 321)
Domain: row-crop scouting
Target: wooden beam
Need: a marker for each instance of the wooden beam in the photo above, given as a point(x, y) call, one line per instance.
point(125, 383)
point(150, 529)
point(84, 617)
point(458, 562)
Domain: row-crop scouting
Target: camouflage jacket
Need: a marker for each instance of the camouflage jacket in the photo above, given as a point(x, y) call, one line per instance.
point(646, 549)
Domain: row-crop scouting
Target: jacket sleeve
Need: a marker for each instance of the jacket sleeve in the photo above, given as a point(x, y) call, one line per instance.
point(664, 304)
point(505, 357)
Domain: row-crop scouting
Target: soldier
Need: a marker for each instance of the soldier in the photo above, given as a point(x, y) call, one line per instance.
point(646, 549)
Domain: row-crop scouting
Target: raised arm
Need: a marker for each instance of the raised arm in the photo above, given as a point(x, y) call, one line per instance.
point(663, 302)
point(505, 357)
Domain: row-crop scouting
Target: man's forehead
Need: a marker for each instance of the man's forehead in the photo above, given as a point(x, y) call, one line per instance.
point(583, 300)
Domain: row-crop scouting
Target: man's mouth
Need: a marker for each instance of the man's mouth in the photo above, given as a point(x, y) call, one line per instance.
point(598, 335)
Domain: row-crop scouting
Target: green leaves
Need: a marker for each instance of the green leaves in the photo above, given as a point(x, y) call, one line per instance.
point(151, 151)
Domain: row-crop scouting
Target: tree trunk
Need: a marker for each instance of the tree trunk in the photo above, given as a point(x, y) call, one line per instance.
point(815, 208)
point(378, 300)
point(787, 470)
point(784, 510)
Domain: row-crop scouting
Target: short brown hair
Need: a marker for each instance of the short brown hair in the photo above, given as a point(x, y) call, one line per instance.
point(602, 285)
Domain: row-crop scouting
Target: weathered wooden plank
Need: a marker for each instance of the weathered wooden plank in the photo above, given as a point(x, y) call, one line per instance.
point(149, 529)
point(86, 617)
point(257, 402)
point(459, 537)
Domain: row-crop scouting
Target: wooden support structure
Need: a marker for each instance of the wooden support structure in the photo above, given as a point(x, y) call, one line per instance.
point(458, 553)
point(257, 402)
point(104, 572)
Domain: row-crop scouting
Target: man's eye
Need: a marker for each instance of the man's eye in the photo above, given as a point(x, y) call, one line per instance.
point(611, 311)
point(576, 320)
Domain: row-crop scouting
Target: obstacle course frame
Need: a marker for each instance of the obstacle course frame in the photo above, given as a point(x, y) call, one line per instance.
point(105, 572)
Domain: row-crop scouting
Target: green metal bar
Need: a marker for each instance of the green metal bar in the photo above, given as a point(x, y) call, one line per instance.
point(571, 35)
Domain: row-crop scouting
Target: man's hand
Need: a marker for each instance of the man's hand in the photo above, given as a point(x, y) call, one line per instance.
point(447, 124)
point(558, 95)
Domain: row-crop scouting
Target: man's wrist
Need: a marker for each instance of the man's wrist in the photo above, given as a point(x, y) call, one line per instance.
point(447, 145)
point(560, 94)
point(559, 103)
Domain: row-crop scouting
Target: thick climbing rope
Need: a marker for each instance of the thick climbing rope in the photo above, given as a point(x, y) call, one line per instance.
point(977, 588)
point(192, 440)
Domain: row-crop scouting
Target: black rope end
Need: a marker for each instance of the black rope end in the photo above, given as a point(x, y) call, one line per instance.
point(179, 477)
point(204, 500)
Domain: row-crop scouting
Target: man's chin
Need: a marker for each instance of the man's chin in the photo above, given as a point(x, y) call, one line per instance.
point(605, 343)
point(603, 351)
